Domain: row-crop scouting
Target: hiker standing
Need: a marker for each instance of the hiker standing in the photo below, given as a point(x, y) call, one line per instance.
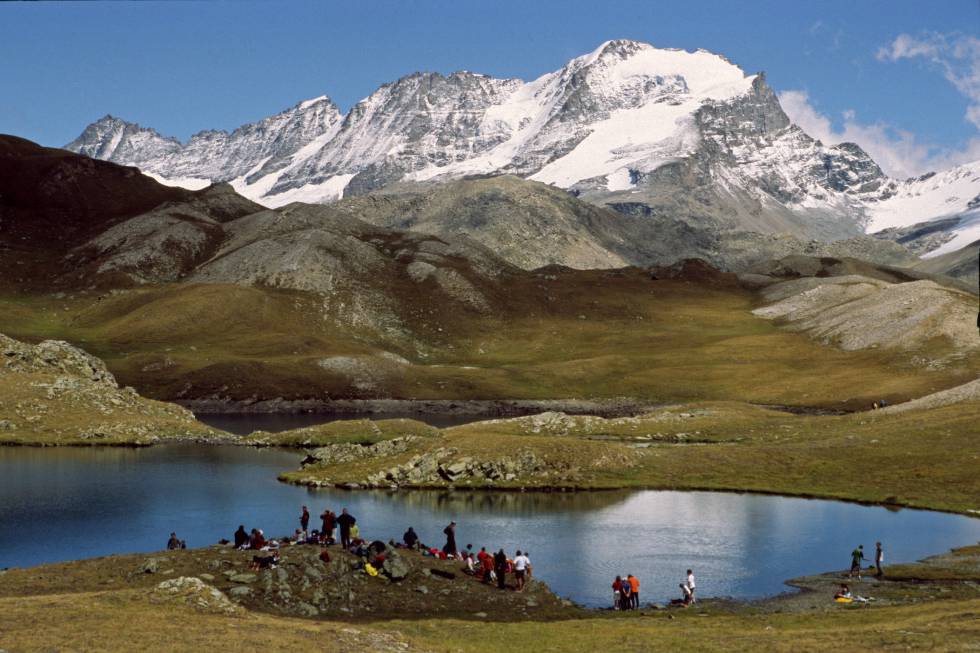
point(304, 521)
point(486, 563)
point(617, 588)
point(521, 565)
point(450, 531)
point(879, 558)
point(345, 521)
point(689, 583)
point(329, 520)
point(626, 595)
point(634, 591)
point(173, 543)
point(500, 567)
point(857, 555)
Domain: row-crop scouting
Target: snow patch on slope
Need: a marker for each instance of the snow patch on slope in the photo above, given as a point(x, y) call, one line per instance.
point(190, 183)
point(925, 198)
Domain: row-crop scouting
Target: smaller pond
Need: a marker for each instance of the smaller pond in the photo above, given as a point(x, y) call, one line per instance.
point(69, 503)
point(245, 423)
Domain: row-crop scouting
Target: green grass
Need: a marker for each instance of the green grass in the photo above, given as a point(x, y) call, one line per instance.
point(654, 341)
point(924, 459)
point(93, 605)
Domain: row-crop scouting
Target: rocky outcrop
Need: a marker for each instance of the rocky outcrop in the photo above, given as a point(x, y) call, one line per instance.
point(443, 465)
point(71, 364)
point(194, 592)
point(55, 393)
point(345, 452)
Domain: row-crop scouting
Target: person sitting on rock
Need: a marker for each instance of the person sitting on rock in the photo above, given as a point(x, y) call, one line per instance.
point(410, 538)
point(173, 542)
point(241, 537)
point(257, 540)
point(376, 548)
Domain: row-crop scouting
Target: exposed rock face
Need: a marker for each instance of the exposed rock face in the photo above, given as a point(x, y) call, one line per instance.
point(365, 274)
point(855, 312)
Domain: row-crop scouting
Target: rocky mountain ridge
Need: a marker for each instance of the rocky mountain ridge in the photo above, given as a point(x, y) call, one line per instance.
point(643, 130)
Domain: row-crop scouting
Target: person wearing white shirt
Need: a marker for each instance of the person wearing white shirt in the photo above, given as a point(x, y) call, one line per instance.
point(690, 584)
point(522, 565)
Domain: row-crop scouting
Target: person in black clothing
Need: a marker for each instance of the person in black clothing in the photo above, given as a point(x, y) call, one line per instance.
point(173, 542)
point(410, 538)
point(304, 520)
point(241, 537)
point(345, 521)
point(500, 567)
point(450, 531)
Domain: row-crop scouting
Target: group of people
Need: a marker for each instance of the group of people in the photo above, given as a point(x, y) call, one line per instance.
point(626, 592)
point(483, 565)
point(174, 543)
point(857, 557)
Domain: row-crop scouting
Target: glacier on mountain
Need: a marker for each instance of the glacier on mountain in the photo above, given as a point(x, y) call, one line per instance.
point(628, 125)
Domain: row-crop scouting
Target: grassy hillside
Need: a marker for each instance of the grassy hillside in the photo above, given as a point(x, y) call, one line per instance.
point(554, 334)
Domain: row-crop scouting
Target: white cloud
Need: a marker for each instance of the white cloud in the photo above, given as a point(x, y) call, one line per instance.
point(956, 55)
point(899, 153)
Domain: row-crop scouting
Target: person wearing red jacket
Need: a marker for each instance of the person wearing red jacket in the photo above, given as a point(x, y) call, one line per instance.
point(617, 588)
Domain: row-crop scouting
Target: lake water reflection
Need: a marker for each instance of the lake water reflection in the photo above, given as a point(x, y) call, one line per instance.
point(59, 504)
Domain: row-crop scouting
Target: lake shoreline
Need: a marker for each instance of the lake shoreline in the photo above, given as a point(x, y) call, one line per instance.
point(488, 408)
point(237, 441)
point(805, 594)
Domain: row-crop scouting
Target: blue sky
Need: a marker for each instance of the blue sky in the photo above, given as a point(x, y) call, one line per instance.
point(182, 67)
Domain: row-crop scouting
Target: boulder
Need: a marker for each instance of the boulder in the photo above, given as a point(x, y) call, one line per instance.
point(243, 578)
point(195, 593)
point(150, 566)
point(395, 567)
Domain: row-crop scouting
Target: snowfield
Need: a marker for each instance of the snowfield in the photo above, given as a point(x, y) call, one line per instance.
point(603, 122)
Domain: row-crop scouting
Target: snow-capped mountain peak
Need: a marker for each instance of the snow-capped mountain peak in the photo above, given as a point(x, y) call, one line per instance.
point(686, 133)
